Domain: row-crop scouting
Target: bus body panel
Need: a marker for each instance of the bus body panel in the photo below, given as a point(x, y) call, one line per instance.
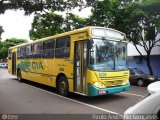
point(10, 61)
point(114, 82)
point(80, 36)
point(94, 91)
point(46, 70)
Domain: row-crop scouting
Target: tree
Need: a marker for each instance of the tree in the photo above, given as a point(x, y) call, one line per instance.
point(134, 18)
point(48, 24)
point(72, 21)
point(34, 6)
point(9, 43)
point(109, 13)
point(1, 31)
point(100, 14)
point(143, 25)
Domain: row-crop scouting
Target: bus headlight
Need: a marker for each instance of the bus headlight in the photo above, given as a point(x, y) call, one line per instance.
point(125, 82)
point(99, 84)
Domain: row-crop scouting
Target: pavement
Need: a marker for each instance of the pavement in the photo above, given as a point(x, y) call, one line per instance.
point(33, 98)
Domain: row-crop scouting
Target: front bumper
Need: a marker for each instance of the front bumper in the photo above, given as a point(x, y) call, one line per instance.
point(94, 91)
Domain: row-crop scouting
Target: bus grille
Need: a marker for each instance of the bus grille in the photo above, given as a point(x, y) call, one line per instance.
point(113, 83)
point(124, 77)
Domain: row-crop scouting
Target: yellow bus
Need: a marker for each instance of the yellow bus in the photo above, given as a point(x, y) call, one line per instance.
point(90, 61)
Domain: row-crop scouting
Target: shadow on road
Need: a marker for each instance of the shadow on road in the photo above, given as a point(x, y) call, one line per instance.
point(85, 99)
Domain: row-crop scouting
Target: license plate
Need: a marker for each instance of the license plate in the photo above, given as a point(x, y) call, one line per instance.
point(102, 92)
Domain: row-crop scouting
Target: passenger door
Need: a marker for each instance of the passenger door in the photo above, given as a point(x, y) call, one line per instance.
point(13, 63)
point(80, 65)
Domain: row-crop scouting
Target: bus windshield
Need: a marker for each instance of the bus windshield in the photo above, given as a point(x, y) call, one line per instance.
point(107, 55)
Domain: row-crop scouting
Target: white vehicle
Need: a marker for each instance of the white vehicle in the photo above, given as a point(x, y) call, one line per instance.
point(3, 65)
point(148, 108)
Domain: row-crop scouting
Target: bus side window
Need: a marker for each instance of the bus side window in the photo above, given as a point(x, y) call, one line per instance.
point(37, 50)
point(21, 52)
point(9, 54)
point(18, 53)
point(19, 56)
point(62, 49)
point(28, 51)
point(67, 49)
point(48, 49)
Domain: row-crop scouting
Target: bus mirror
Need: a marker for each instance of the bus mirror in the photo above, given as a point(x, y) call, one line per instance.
point(89, 43)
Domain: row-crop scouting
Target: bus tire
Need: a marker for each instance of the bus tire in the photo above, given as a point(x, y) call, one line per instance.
point(19, 76)
point(63, 87)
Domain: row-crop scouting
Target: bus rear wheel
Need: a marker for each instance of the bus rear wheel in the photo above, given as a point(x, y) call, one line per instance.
point(19, 76)
point(63, 88)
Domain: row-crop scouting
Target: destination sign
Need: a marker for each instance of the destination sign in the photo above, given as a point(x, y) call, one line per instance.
point(108, 33)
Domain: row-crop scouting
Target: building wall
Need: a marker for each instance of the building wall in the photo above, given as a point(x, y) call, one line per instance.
point(138, 62)
point(132, 51)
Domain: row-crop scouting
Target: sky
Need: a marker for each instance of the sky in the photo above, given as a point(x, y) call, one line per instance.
point(16, 25)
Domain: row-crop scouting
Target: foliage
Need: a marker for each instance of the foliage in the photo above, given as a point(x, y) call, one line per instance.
point(133, 18)
point(34, 6)
point(72, 21)
point(143, 25)
point(1, 31)
point(100, 14)
point(109, 13)
point(9, 43)
point(48, 24)
point(139, 19)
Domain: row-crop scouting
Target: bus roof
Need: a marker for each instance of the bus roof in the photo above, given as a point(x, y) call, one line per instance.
point(63, 34)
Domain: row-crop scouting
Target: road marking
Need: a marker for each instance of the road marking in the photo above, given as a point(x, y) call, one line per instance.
point(132, 94)
point(105, 110)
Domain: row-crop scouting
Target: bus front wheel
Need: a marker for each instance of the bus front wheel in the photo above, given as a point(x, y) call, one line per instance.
point(19, 76)
point(63, 87)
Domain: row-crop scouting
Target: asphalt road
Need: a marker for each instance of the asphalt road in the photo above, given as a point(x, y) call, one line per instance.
point(32, 98)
